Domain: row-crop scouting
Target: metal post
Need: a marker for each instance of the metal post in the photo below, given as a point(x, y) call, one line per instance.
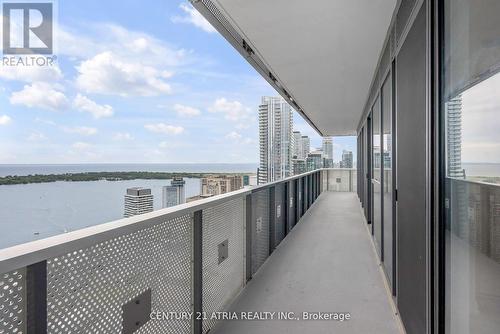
point(36, 298)
point(249, 231)
point(197, 271)
point(272, 219)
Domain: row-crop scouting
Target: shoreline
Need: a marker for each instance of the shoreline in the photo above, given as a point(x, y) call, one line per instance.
point(108, 176)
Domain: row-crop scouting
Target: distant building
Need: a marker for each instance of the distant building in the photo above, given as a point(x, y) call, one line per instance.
point(217, 185)
point(138, 201)
point(327, 148)
point(306, 146)
point(454, 139)
point(174, 194)
point(314, 160)
point(299, 166)
point(327, 163)
point(275, 137)
point(298, 152)
point(347, 161)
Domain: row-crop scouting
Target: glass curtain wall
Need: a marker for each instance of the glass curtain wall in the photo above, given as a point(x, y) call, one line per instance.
point(377, 175)
point(471, 129)
point(387, 174)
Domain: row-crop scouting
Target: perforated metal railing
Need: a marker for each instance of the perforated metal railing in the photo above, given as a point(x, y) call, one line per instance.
point(163, 272)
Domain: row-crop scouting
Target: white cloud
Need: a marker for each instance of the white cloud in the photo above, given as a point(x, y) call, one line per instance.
point(238, 138)
point(186, 111)
point(31, 73)
point(233, 135)
point(127, 45)
point(122, 136)
point(36, 137)
point(40, 95)
point(81, 146)
point(166, 145)
point(4, 119)
point(192, 16)
point(85, 104)
point(107, 74)
point(164, 128)
point(233, 110)
point(80, 130)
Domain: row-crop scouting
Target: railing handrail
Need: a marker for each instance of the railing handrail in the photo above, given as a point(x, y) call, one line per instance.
point(480, 183)
point(25, 254)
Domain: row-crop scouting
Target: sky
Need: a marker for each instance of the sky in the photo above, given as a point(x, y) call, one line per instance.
point(136, 81)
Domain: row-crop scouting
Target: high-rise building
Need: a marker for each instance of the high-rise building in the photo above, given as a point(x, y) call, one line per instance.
point(298, 152)
point(314, 160)
point(328, 163)
point(299, 166)
point(454, 137)
point(275, 137)
point(306, 146)
point(174, 194)
point(220, 184)
point(138, 201)
point(327, 147)
point(347, 161)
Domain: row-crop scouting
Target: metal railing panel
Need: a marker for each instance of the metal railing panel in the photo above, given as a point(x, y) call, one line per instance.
point(292, 210)
point(279, 213)
point(223, 271)
point(13, 302)
point(86, 289)
point(260, 228)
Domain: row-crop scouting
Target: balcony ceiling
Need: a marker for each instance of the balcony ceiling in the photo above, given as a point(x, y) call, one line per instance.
point(323, 52)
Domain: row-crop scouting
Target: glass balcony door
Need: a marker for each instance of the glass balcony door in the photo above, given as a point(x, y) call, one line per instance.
point(377, 176)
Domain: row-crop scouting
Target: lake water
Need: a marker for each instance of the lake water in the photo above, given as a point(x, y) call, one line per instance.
point(58, 207)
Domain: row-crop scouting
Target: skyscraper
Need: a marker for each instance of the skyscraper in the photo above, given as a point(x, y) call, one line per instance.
point(346, 159)
point(327, 148)
point(138, 201)
point(275, 137)
point(306, 146)
point(297, 146)
point(314, 160)
point(174, 194)
point(454, 137)
point(299, 166)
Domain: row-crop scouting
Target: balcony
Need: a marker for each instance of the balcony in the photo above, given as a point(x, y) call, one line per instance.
point(297, 245)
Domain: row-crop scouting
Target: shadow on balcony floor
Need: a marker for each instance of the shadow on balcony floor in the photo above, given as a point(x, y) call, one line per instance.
point(327, 264)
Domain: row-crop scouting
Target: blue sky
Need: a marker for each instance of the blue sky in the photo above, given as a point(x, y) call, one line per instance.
point(136, 81)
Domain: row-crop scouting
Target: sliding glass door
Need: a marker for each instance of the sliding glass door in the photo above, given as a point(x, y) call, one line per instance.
point(377, 175)
point(387, 176)
point(470, 118)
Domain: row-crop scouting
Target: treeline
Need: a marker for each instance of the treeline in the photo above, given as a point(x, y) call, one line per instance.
point(96, 176)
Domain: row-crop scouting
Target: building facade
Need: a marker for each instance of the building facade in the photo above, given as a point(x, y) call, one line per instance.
point(347, 161)
point(306, 146)
point(138, 201)
point(299, 166)
point(327, 146)
point(217, 185)
point(275, 139)
point(174, 194)
point(314, 160)
point(298, 152)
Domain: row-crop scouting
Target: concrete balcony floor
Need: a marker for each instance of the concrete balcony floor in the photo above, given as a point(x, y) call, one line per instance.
point(326, 264)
